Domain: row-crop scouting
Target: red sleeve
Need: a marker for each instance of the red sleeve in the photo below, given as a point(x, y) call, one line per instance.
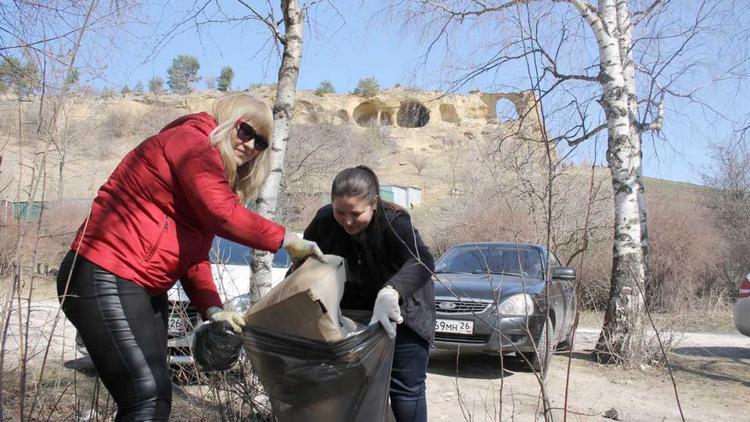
point(198, 169)
point(198, 281)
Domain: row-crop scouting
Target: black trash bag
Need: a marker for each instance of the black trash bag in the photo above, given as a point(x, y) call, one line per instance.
point(216, 347)
point(346, 381)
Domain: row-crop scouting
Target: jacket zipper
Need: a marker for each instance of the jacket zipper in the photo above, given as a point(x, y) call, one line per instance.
point(165, 226)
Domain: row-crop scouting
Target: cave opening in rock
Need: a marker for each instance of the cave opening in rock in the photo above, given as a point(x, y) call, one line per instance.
point(365, 113)
point(386, 118)
point(412, 114)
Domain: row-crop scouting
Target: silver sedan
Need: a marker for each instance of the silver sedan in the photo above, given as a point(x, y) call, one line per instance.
point(742, 307)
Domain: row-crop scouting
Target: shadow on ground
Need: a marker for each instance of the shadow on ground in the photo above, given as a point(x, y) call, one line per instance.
point(734, 353)
point(586, 355)
point(474, 365)
point(716, 363)
point(180, 375)
point(83, 365)
point(485, 366)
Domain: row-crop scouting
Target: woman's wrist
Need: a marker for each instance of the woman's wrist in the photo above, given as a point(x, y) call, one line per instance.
point(212, 310)
point(289, 236)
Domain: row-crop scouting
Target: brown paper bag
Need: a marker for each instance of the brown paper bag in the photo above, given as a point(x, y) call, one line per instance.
point(306, 304)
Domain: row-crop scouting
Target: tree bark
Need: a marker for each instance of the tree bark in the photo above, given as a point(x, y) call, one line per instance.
point(283, 110)
point(620, 339)
point(625, 30)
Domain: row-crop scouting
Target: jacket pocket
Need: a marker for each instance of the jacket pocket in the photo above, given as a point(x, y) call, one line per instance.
point(150, 254)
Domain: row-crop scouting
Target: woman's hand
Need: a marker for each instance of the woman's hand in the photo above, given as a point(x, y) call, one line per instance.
point(234, 319)
point(386, 310)
point(299, 248)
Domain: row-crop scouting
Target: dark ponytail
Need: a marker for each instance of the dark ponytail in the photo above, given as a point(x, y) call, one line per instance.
point(360, 182)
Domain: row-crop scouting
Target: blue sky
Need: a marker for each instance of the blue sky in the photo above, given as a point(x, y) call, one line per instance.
point(347, 43)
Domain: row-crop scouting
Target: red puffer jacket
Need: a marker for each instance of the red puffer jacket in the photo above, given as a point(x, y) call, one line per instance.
point(154, 220)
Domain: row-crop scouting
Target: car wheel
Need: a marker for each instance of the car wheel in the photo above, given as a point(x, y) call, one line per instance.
point(538, 361)
point(567, 344)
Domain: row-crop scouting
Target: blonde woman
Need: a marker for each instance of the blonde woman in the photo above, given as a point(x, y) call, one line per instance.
point(152, 223)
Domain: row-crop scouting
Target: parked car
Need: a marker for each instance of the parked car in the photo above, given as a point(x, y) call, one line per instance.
point(742, 306)
point(496, 297)
point(230, 265)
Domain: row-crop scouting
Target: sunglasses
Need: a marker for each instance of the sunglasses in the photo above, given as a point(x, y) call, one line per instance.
point(247, 133)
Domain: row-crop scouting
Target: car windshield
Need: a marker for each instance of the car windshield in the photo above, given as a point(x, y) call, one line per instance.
point(231, 253)
point(494, 259)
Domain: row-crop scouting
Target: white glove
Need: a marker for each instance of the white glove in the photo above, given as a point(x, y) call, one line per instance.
point(299, 248)
point(386, 310)
point(234, 319)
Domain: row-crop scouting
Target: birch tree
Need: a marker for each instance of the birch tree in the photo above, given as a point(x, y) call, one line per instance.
point(283, 110)
point(548, 37)
point(619, 337)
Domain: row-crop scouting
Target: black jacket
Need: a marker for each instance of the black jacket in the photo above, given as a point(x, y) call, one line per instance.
point(404, 263)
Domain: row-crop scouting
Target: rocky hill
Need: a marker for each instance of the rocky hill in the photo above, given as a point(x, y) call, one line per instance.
point(95, 132)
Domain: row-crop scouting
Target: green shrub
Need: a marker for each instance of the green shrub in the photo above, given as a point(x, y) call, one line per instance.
point(367, 87)
point(325, 87)
point(182, 73)
point(156, 85)
point(225, 79)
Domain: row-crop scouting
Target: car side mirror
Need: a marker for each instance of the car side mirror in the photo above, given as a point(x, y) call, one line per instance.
point(563, 273)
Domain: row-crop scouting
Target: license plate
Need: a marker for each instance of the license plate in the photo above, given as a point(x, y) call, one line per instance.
point(176, 326)
point(454, 326)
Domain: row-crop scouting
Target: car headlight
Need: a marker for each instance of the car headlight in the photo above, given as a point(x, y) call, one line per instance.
point(239, 304)
point(520, 304)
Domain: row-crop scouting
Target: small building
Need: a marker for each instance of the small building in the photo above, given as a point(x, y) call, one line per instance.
point(28, 211)
point(405, 196)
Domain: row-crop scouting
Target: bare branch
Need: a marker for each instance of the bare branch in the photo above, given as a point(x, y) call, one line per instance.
point(169, 35)
point(657, 123)
point(552, 68)
point(585, 136)
point(463, 14)
point(33, 43)
point(640, 15)
point(269, 21)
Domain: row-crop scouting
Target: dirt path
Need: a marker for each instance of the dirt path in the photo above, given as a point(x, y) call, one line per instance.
point(45, 326)
point(712, 373)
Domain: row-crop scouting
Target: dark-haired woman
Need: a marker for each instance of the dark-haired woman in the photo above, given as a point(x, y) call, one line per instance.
point(388, 272)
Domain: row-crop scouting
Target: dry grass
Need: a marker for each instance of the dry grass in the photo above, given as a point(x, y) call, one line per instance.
point(77, 394)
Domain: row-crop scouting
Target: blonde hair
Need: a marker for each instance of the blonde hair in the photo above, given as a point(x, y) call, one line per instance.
point(247, 178)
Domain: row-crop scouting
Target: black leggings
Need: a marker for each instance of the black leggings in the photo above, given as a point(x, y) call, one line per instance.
point(125, 332)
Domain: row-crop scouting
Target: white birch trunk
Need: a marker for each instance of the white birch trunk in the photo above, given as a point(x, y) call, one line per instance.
point(623, 316)
point(283, 108)
point(626, 54)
